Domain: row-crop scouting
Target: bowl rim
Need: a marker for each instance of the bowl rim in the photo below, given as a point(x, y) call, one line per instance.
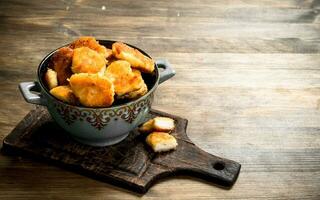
point(45, 89)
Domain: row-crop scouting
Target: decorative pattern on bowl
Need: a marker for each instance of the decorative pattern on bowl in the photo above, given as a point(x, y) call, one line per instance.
point(99, 118)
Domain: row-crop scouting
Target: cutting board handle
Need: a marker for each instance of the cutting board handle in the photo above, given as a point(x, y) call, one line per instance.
point(196, 162)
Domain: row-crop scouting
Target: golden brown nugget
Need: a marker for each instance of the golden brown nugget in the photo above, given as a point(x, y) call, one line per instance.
point(61, 62)
point(64, 93)
point(133, 56)
point(86, 60)
point(161, 141)
point(123, 78)
point(147, 127)
point(163, 124)
point(92, 90)
point(51, 78)
point(93, 44)
point(135, 94)
point(140, 92)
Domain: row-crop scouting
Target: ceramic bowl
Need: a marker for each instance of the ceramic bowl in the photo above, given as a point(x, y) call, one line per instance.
point(97, 126)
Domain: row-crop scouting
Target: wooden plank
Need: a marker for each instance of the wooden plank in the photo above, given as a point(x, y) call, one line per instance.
point(52, 5)
point(172, 14)
point(163, 28)
point(160, 47)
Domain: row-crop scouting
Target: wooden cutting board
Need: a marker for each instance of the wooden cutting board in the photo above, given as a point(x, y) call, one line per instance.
point(130, 164)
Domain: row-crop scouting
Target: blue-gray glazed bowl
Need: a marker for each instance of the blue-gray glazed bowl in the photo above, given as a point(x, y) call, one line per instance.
point(97, 126)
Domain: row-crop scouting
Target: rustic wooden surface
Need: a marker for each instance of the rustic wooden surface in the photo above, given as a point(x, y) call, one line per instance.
point(247, 80)
point(130, 164)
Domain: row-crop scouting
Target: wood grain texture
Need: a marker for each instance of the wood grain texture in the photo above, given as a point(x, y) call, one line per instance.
point(248, 81)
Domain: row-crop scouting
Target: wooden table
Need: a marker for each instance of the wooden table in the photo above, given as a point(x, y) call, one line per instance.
point(248, 80)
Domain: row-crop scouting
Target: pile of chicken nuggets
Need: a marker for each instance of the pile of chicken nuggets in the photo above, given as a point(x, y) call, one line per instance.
point(89, 74)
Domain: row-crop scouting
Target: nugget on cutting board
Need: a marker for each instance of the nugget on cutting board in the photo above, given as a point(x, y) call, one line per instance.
point(165, 124)
point(92, 90)
point(147, 127)
point(162, 124)
point(64, 93)
point(51, 78)
point(133, 56)
point(161, 141)
point(86, 60)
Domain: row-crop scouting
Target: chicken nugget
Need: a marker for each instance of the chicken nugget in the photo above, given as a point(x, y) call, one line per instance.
point(165, 124)
point(64, 93)
point(160, 141)
point(61, 62)
point(51, 79)
point(143, 89)
point(133, 56)
point(123, 78)
point(93, 44)
point(86, 60)
point(135, 94)
point(147, 127)
point(139, 92)
point(161, 124)
point(92, 90)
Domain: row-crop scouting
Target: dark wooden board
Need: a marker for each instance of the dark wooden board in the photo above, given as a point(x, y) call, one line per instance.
point(130, 164)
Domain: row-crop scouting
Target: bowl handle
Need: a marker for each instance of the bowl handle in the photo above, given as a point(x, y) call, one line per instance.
point(166, 71)
point(31, 92)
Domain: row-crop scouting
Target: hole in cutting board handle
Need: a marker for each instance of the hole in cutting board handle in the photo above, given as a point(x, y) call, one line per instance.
point(219, 166)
